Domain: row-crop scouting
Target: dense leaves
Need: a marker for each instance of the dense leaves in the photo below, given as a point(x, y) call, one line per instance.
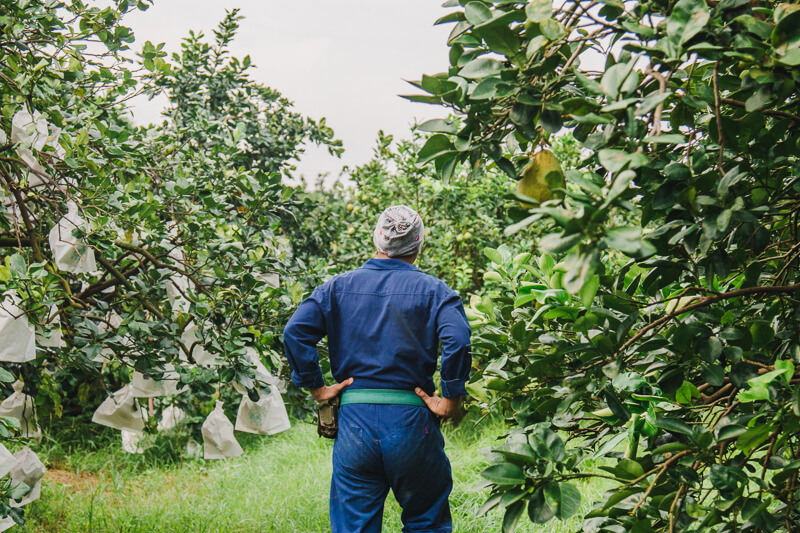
point(182, 217)
point(656, 324)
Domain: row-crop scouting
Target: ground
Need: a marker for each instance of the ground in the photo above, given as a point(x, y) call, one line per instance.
point(279, 485)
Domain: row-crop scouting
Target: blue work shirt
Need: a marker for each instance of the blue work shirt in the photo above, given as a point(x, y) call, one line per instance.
point(384, 322)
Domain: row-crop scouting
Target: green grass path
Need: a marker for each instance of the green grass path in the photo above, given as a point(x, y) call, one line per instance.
point(279, 485)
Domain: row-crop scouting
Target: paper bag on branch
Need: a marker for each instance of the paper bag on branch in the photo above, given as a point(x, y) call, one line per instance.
point(200, 354)
point(151, 387)
point(218, 439)
point(261, 372)
point(6, 523)
point(7, 461)
point(170, 417)
point(120, 411)
point(18, 335)
point(267, 416)
point(133, 442)
point(53, 322)
point(115, 321)
point(20, 406)
point(29, 470)
point(70, 253)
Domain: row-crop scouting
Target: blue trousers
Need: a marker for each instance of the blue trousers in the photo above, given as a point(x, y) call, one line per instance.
point(382, 447)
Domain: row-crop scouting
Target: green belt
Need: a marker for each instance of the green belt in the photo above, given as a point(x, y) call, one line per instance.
point(382, 396)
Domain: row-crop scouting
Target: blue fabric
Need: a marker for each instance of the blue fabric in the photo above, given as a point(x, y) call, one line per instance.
point(384, 322)
point(382, 447)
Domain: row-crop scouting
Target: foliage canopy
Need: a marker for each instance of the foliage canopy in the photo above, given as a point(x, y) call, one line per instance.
point(657, 324)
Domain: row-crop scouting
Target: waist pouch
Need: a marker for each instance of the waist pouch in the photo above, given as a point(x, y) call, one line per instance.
point(328, 418)
point(382, 397)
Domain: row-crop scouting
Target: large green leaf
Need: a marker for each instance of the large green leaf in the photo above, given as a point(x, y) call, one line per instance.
point(481, 67)
point(688, 18)
point(563, 498)
point(539, 10)
point(504, 474)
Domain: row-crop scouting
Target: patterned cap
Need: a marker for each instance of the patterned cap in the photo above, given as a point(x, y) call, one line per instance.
point(399, 232)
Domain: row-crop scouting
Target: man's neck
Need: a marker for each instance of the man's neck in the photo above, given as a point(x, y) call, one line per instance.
point(408, 259)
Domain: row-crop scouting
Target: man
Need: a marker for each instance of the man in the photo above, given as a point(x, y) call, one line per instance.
point(384, 322)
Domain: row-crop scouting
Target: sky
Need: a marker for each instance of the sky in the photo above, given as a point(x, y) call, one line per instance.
point(345, 60)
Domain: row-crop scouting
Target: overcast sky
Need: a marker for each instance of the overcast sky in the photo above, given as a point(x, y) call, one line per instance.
point(344, 60)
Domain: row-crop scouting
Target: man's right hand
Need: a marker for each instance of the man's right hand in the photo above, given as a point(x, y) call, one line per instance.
point(323, 393)
point(444, 407)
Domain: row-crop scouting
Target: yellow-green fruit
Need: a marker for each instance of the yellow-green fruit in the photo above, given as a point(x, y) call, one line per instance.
point(540, 177)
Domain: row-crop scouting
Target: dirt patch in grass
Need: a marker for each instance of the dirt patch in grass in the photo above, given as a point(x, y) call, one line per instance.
point(73, 481)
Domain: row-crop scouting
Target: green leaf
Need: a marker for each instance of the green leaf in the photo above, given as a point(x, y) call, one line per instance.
point(477, 12)
point(753, 437)
point(674, 425)
point(519, 451)
point(490, 503)
point(539, 10)
point(493, 255)
point(626, 239)
point(481, 67)
point(522, 300)
point(758, 99)
point(688, 18)
point(616, 406)
point(6, 376)
point(615, 160)
point(665, 138)
point(628, 469)
point(726, 478)
point(512, 516)
point(538, 510)
point(563, 498)
point(504, 474)
point(17, 264)
point(618, 78)
point(559, 242)
point(589, 290)
point(686, 392)
point(551, 29)
point(762, 333)
point(435, 146)
point(438, 125)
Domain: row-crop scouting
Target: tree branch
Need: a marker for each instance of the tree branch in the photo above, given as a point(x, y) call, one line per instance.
point(703, 302)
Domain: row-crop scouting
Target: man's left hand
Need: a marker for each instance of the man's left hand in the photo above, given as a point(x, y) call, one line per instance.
point(323, 393)
point(444, 407)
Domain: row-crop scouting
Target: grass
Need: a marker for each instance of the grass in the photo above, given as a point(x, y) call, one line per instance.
point(280, 484)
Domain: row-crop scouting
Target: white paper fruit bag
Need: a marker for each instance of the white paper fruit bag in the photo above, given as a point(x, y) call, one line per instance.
point(133, 442)
point(218, 439)
point(120, 411)
point(7, 461)
point(29, 470)
point(20, 406)
point(17, 334)
point(192, 342)
point(149, 387)
point(55, 340)
point(70, 253)
point(267, 416)
point(6, 523)
point(170, 418)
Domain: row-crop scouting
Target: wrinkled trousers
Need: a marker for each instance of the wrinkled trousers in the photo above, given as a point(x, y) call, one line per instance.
point(382, 447)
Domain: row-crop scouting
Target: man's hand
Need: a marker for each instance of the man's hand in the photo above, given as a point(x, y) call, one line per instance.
point(444, 407)
point(323, 393)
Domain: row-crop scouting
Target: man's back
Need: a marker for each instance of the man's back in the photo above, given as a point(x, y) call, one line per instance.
point(384, 322)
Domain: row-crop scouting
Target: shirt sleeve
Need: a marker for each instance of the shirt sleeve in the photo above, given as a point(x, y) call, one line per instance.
point(454, 332)
point(300, 337)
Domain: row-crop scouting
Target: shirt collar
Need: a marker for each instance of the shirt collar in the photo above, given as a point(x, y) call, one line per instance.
point(388, 264)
